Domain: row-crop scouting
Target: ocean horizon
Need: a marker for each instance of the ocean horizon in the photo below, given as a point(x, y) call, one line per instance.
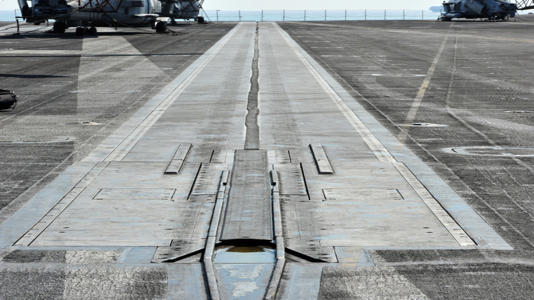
point(320, 15)
point(297, 15)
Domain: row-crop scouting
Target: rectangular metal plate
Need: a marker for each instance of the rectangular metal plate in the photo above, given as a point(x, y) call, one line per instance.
point(134, 194)
point(249, 210)
point(178, 159)
point(321, 160)
point(353, 194)
point(291, 179)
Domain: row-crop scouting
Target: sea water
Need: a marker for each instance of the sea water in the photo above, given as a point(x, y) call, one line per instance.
point(8, 15)
point(297, 15)
point(318, 15)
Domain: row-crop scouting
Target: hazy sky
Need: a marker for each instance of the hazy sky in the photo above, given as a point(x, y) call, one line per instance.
point(296, 4)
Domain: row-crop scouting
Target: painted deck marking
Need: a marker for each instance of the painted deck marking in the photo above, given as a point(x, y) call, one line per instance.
point(380, 150)
point(426, 82)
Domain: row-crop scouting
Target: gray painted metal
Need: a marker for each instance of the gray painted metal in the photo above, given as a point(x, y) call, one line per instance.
point(276, 277)
point(469, 220)
point(211, 240)
point(291, 180)
point(478, 9)
point(178, 159)
point(193, 275)
point(293, 118)
point(279, 156)
point(249, 210)
point(135, 194)
point(363, 207)
point(137, 255)
point(321, 159)
point(24, 219)
point(38, 228)
point(108, 13)
point(153, 230)
point(206, 180)
point(181, 249)
point(303, 281)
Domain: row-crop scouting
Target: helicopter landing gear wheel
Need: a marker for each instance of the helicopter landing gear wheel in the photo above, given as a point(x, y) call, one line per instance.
point(161, 27)
point(80, 31)
point(59, 27)
point(201, 20)
point(92, 30)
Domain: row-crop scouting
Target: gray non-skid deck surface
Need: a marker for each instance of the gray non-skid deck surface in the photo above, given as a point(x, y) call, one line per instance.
point(128, 201)
point(249, 211)
point(208, 114)
point(369, 204)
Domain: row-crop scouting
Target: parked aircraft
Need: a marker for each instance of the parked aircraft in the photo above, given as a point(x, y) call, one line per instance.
point(478, 9)
point(87, 14)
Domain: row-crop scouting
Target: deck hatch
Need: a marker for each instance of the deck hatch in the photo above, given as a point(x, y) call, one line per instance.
point(134, 194)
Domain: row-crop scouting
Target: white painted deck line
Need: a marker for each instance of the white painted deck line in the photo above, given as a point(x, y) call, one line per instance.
point(381, 152)
point(447, 198)
point(426, 82)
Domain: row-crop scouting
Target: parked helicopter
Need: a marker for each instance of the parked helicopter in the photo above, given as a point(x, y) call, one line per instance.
point(87, 14)
point(478, 9)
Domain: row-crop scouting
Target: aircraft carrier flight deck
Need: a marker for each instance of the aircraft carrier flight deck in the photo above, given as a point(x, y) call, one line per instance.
point(290, 160)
